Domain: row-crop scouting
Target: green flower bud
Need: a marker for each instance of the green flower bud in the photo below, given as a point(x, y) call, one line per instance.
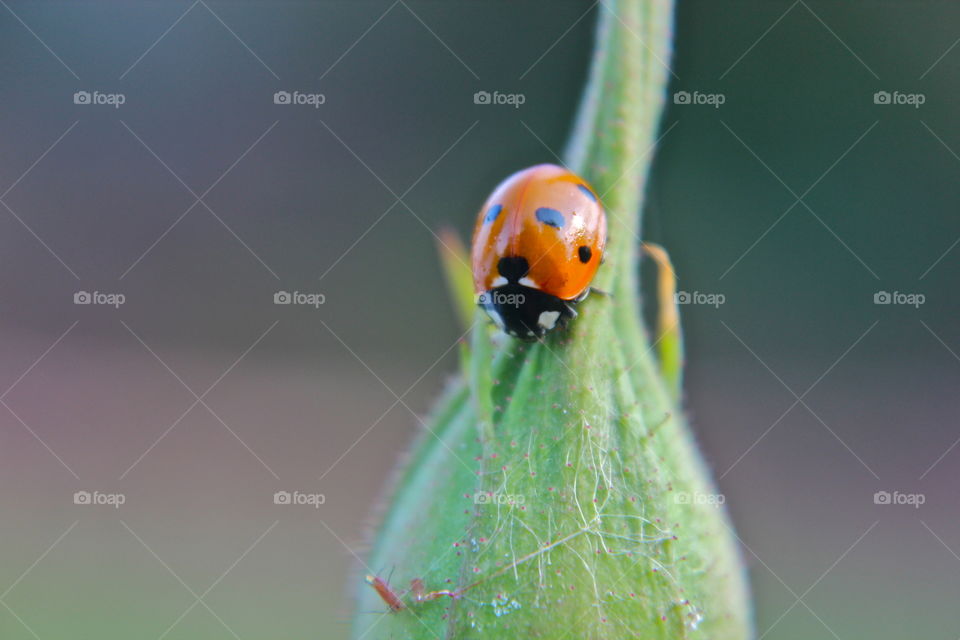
point(557, 492)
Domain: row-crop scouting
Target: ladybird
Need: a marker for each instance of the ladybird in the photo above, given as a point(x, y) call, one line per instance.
point(537, 244)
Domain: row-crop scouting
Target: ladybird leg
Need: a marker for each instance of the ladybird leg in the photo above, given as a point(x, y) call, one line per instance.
point(669, 337)
point(599, 292)
point(586, 292)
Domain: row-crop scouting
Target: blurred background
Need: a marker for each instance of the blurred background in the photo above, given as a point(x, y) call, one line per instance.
point(178, 165)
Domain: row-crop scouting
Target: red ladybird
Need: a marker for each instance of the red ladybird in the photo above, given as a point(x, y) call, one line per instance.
point(537, 244)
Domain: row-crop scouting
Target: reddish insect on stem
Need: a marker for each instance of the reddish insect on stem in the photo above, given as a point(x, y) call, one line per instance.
point(420, 594)
point(387, 594)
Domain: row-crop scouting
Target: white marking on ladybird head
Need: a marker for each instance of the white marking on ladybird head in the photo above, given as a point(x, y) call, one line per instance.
point(499, 281)
point(548, 319)
point(527, 282)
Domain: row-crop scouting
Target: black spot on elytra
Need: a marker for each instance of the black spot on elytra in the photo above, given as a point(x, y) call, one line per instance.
point(549, 216)
point(584, 253)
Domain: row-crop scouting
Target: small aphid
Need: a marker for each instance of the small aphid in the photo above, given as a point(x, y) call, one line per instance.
point(421, 595)
point(387, 594)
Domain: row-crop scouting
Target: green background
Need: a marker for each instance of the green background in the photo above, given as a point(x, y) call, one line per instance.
point(304, 209)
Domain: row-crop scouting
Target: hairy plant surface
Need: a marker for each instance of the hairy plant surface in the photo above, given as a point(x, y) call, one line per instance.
point(558, 492)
